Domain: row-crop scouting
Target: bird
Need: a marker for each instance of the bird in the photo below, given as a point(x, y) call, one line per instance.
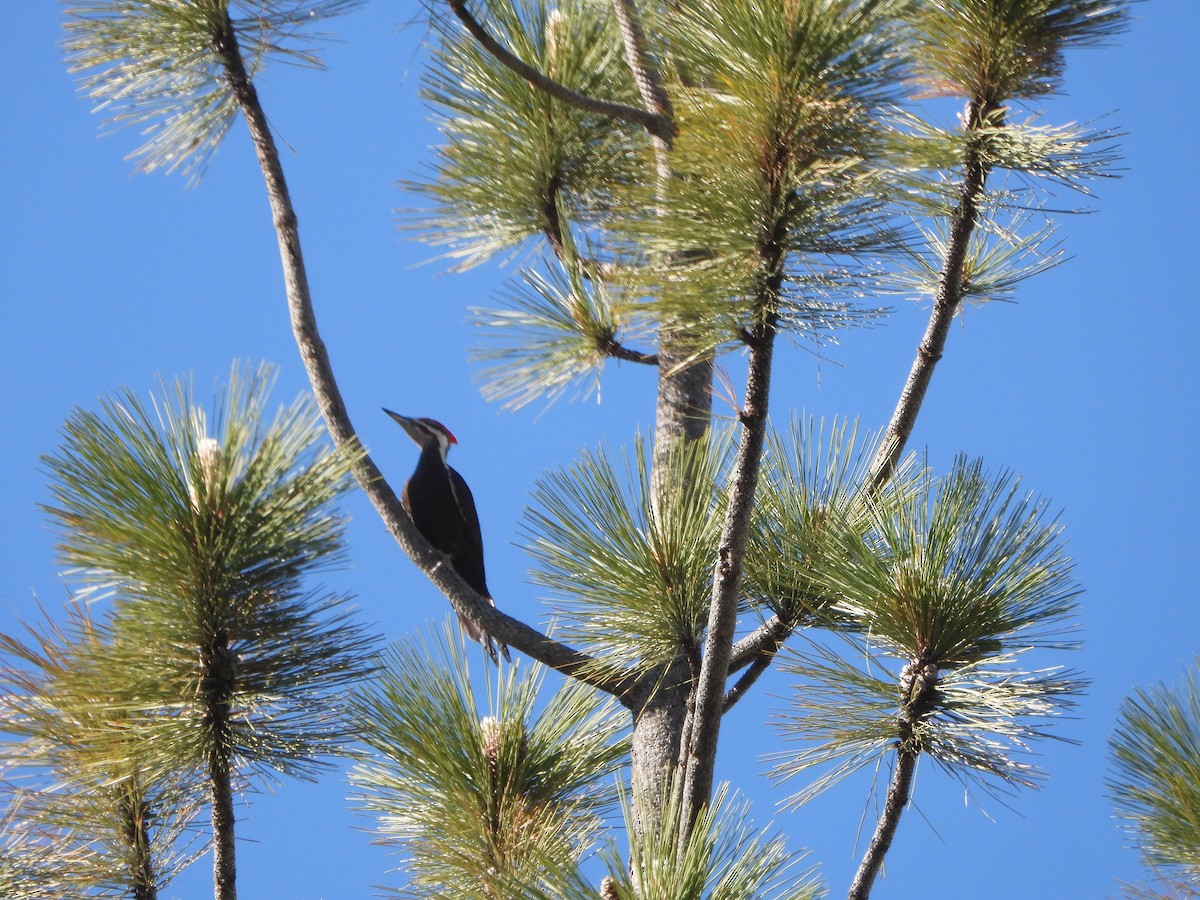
point(440, 504)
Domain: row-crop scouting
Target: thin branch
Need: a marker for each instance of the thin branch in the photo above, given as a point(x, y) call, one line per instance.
point(898, 793)
point(657, 125)
point(610, 346)
point(320, 374)
point(946, 303)
point(645, 74)
point(743, 684)
point(722, 617)
point(767, 638)
point(918, 685)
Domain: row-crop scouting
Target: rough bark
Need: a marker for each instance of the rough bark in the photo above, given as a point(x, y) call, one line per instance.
point(897, 798)
point(918, 687)
point(218, 686)
point(221, 797)
point(659, 716)
point(947, 300)
point(722, 619)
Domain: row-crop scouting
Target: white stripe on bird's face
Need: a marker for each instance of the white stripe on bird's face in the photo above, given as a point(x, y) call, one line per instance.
point(444, 439)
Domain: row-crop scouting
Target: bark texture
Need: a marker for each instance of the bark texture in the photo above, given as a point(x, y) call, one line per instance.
point(952, 285)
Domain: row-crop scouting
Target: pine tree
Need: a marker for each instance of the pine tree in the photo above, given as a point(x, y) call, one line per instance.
point(686, 181)
point(1154, 784)
point(215, 666)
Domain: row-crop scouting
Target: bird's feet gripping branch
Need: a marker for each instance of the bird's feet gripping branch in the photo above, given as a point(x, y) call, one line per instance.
point(440, 504)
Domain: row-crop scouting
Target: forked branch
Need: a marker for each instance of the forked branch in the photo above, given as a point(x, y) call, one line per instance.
point(320, 374)
point(758, 649)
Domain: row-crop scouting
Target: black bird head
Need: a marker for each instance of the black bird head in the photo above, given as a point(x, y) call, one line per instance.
point(429, 434)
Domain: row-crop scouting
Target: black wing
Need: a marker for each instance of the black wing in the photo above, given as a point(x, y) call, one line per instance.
point(469, 562)
point(468, 550)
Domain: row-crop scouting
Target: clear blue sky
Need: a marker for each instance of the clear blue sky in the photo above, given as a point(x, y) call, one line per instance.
point(1085, 387)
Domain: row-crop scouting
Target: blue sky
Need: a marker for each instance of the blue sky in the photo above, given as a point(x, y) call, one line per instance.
point(1085, 387)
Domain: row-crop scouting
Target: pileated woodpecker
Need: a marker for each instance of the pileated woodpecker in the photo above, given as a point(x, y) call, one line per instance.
point(441, 506)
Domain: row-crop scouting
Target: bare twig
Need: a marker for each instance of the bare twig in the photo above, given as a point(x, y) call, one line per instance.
point(320, 374)
point(743, 684)
point(657, 125)
point(612, 347)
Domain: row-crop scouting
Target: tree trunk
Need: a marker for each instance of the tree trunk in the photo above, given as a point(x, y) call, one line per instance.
point(659, 715)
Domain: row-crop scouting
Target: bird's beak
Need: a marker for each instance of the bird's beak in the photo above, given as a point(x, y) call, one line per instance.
point(407, 424)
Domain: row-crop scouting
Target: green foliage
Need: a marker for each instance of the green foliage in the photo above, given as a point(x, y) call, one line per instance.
point(811, 495)
point(631, 581)
point(1155, 782)
point(518, 163)
point(722, 859)
point(991, 51)
point(968, 567)
point(516, 795)
point(776, 163)
point(949, 589)
point(84, 809)
point(203, 543)
point(153, 64)
point(775, 210)
point(556, 331)
point(790, 164)
point(1068, 155)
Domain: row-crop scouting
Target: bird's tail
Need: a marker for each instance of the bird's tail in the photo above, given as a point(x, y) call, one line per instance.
point(476, 633)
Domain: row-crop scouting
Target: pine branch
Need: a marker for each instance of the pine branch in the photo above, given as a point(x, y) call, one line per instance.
point(756, 650)
point(947, 300)
point(647, 77)
point(885, 829)
point(614, 348)
point(333, 409)
point(743, 684)
point(218, 684)
point(918, 684)
point(714, 669)
point(770, 634)
point(221, 799)
point(655, 124)
point(134, 815)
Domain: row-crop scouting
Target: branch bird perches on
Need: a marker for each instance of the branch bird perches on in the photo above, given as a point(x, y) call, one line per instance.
point(463, 598)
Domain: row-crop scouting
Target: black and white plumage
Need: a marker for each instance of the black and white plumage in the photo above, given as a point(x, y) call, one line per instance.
point(441, 506)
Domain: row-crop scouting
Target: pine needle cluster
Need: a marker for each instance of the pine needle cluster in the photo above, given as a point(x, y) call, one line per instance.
point(948, 591)
point(484, 799)
point(195, 533)
point(1155, 780)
